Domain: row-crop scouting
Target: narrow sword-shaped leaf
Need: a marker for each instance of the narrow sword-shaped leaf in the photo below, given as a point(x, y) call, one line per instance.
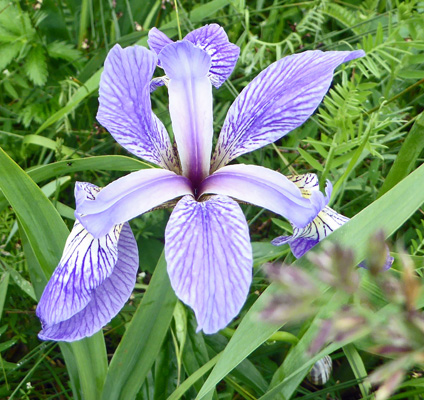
point(142, 340)
point(251, 334)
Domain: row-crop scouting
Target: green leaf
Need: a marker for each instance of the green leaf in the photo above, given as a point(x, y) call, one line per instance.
point(4, 284)
point(358, 368)
point(63, 50)
point(8, 52)
point(46, 233)
point(407, 156)
point(143, 339)
point(35, 66)
point(406, 197)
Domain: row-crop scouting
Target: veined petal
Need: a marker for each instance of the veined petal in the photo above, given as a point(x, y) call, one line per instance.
point(326, 222)
point(72, 307)
point(190, 106)
point(158, 40)
point(265, 188)
point(128, 197)
point(304, 239)
point(210, 38)
point(209, 257)
point(224, 54)
point(278, 100)
point(125, 109)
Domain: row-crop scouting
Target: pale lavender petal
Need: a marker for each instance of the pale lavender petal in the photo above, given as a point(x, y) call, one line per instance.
point(224, 54)
point(125, 109)
point(278, 100)
point(265, 188)
point(209, 257)
point(128, 197)
point(104, 301)
point(190, 106)
point(157, 40)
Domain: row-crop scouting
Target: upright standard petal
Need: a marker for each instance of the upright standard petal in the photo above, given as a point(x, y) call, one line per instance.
point(265, 188)
point(128, 197)
point(209, 257)
point(278, 100)
point(125, 109)
point(211, 38)
point(190, 106)
point(224, 54)
point(92, 282)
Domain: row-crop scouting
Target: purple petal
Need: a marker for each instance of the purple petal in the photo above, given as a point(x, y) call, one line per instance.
point(157, 40)
point(72, 284)
point(304, 239)
point(190, 106)
point(224, 54)
point(128, 197)
point(265, 188)
point(210, 38)
point(278, 100)
point(125, 108)
point(209, 257)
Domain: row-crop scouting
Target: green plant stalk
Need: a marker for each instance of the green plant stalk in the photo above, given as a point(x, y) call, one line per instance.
point(83, 22)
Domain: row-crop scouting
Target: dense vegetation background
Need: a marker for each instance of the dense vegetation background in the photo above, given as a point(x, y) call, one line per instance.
point(366, 137)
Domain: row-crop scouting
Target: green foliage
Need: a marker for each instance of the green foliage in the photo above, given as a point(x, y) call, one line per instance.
point(366, 138)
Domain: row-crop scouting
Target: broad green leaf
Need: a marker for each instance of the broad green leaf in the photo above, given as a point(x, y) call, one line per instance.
point(46, 233)
point(407, 156)
point(143, 338)
point(63, 50)
point(406, 197)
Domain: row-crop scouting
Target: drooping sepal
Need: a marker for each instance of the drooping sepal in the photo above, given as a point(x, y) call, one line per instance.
point(83, 295)
point(209, 258)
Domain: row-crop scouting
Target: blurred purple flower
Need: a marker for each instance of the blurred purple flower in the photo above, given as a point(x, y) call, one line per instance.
point(207, 245)
point(326, 222)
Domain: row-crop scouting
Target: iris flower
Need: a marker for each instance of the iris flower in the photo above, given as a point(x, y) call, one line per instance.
point(207, 244)
point(326, 222)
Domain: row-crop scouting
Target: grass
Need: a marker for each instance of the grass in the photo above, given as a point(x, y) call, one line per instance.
point(365, 138)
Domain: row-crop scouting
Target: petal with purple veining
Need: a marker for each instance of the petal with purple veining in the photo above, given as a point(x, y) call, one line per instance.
point(125, 108)
point(265, 188)
point(96, 305)
point(224, 54)
point(209, 258)
point(128, 197)
point(278, 100)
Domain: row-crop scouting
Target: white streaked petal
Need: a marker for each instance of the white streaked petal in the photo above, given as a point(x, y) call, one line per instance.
point(70, 289)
